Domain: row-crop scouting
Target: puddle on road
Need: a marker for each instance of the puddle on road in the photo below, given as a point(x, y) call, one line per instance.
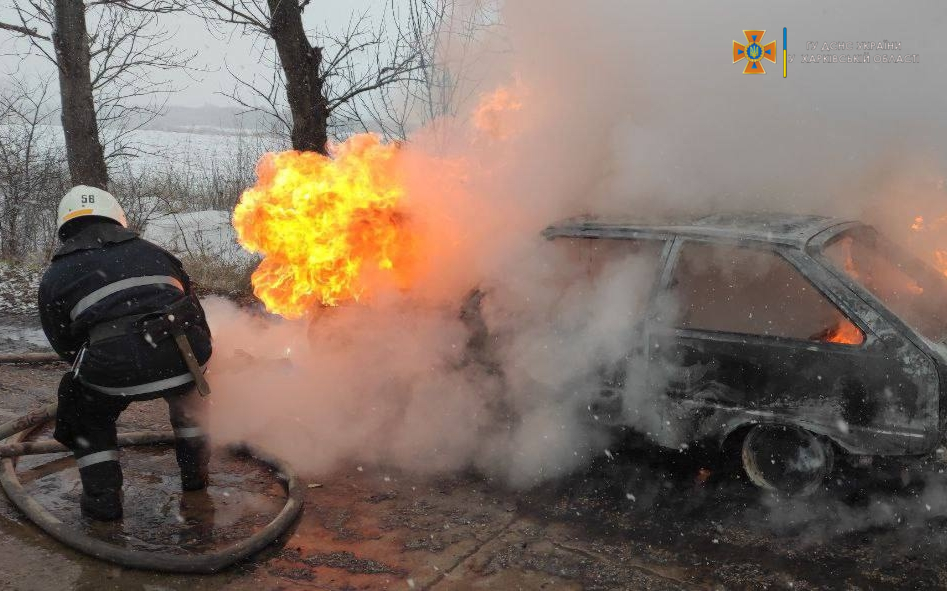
point(243, 496)
point(19, 335)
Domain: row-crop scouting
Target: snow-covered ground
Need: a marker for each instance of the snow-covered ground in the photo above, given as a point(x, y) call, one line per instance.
point(18, 285)
point(19, 322)
point(200, 233)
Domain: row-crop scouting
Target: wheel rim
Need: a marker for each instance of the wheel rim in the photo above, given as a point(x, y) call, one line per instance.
point(786, 459)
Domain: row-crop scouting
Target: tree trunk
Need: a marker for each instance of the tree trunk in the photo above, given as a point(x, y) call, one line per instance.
point(83, 150)
point(9, 245)
point(300, 62)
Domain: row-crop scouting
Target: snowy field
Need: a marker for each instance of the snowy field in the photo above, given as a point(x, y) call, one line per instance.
point(199, 233)
point(200, 148)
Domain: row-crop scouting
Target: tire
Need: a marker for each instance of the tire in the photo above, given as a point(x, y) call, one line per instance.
point(786, 459)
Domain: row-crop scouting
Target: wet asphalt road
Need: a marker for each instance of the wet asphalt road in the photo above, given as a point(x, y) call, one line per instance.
point(644, 519)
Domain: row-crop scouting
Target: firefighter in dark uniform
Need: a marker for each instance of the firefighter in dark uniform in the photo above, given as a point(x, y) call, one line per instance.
point(123, 312)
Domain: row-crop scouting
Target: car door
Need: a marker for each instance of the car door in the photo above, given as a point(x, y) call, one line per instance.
point(747, 334)
point(626, 271)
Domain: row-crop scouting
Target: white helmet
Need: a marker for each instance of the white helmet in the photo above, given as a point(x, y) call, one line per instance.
point(82, 201)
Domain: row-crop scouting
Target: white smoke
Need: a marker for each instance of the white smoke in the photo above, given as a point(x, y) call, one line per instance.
point(630, 109)
point(396, 383)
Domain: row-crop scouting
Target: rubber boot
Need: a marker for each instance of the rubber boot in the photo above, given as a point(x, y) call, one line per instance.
point(197, 514)
point(193, 455)
point(101, 491)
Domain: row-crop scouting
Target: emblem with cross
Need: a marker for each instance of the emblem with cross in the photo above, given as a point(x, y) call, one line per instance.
point(754, 52)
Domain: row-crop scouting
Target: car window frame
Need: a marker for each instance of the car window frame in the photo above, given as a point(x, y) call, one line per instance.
point(887, 319)
point(666, 243)
point(664, 289)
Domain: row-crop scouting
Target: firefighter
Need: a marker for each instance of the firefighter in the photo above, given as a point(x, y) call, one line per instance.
point(123, 312)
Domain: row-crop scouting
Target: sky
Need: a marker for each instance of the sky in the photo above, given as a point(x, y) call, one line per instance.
point(682, 82)
point(242, 53)
point(690, 43)
point(694, 116)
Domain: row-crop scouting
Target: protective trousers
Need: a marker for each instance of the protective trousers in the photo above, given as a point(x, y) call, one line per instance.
point(85, 423)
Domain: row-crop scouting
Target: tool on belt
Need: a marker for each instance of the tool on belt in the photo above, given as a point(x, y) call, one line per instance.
point(154, 328)
point(184, 346)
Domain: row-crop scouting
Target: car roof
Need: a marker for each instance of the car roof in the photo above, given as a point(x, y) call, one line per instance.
point(781, 228)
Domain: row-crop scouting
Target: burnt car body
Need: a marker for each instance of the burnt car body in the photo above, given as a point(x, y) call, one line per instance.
point(776, 330)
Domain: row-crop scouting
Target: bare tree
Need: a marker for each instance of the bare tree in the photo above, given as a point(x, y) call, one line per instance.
point(412, 67)
point(103, 77)
point(319, 79)
point(32, 174)
point(447, 37)
point(69, 50)
point(130, 52)
point(264, 95)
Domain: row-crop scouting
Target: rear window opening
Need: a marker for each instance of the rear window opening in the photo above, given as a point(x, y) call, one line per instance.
point(756, 292)
point(907, 286)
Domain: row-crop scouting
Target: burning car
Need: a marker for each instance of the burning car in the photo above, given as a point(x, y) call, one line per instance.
point(793, 339)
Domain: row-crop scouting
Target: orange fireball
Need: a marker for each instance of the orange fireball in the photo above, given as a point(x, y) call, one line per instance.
point(326, 226)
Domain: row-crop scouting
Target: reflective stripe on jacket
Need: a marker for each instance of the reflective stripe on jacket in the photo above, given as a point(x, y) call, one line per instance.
point(98, 278)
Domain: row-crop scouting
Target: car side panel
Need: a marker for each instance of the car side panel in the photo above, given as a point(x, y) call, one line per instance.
point(877, 398)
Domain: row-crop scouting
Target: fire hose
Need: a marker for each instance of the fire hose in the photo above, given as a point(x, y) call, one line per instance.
point(30, 358)
point(211, 562)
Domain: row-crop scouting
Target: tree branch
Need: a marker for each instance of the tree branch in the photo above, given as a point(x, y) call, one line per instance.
point(23, 31)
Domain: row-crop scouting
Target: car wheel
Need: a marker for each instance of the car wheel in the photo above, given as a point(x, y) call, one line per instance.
point(786, 459)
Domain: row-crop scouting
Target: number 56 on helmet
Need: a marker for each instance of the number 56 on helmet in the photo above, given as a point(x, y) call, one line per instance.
point(82, 201)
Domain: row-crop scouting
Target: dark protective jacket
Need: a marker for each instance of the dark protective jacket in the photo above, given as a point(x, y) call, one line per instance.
point(109, 303)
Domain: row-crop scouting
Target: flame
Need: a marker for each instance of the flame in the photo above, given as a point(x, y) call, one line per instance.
point(920, 224)
point(846, 244)
point(940, 261)
point(844, 332)
point(488, 116)
point(325, 226)
point(914, 288)
point(940, 256)
point(910, 285)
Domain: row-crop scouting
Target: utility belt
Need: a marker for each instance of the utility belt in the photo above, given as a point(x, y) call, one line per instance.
point(173, 322)
point(116, 328)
